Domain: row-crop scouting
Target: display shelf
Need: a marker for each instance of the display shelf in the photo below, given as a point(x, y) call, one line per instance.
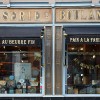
point(83, 85)
point(83, 53)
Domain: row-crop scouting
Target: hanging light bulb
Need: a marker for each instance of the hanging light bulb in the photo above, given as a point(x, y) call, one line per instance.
point(4, 47)
point(72, 48)
point(81, 49)
point(94, 56)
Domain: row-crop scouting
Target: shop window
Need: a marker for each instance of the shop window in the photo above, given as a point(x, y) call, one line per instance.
point(20, 66)
point(83, 70)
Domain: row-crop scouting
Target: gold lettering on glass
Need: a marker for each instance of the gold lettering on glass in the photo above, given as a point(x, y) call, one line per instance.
point(5, 15)
point(22, 16)
point(46, 15)
point(77, 15)
point(91, 15)
point(83, 16)
point(98, 14)
point(13, 17)
point(37, 15)
point(29, 15)
point(62, 15)
point(25, 15)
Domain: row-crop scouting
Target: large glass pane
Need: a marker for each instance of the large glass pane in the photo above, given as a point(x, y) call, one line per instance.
point(83, 71)
point(20, 69)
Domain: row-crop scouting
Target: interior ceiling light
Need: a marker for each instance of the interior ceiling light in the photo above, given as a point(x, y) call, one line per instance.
point(72, 48)
point(4, 47)
point(81, 49)
point(94, 56)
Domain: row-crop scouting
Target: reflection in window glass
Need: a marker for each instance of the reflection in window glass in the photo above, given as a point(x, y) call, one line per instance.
point(83, 72)
point(20, 69)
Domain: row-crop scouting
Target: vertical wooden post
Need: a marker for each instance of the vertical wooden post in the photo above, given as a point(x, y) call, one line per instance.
point(58, 60)
point(48, 60)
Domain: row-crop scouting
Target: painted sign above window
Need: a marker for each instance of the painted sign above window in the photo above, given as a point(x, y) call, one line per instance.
point(26, 15)
point(83, 39)
point(20, 41)
point(78, 15)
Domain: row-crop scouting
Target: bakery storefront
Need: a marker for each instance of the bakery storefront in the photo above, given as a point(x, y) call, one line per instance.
point(81, 55)
point(20, 61)
point(82, 58)
point(21, 51)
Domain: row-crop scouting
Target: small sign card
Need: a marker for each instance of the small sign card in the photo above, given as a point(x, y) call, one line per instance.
point(22, 71)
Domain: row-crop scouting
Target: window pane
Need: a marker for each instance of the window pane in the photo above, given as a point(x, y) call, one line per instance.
point(83, 72)
point(20, 69)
